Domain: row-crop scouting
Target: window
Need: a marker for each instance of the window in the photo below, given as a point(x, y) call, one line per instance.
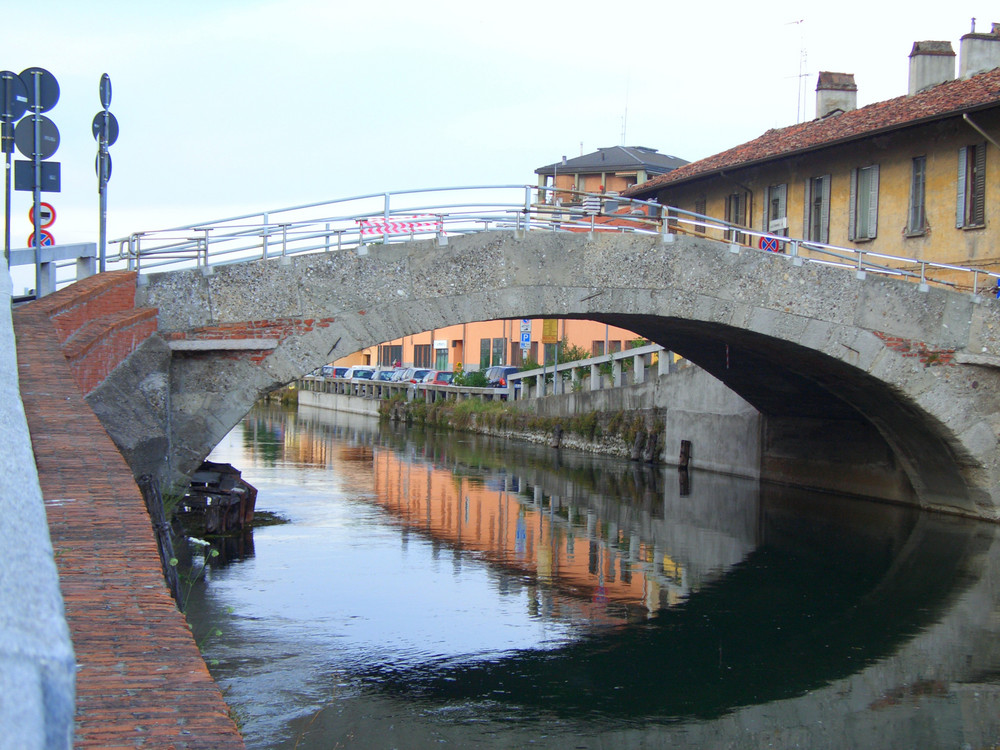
point(916, 222)
point(863, 217)
point(817, 203)
point(700, 206)
point(422, 355)
point(776, 210)
point(736, 213)
point(484, 353)
point(389, 354)
point(971, 209)
point(597, 348)
point(499, 351)
point(440, 359)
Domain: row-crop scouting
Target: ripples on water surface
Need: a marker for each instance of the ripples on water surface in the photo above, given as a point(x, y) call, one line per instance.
point(444, 589)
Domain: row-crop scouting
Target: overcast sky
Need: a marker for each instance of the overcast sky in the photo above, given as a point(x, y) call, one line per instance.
point(230, 106)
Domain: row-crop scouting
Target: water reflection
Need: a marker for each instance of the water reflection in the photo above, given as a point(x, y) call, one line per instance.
point(466, 591)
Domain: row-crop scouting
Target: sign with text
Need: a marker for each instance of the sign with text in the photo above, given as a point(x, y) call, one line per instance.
point(550, 331)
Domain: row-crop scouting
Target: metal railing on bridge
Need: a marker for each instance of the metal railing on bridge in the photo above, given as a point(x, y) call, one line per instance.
point(439, 213)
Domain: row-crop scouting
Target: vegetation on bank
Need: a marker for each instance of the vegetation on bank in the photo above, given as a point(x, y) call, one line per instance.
point(475, 415)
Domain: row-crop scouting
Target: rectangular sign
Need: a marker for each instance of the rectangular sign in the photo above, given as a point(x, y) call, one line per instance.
point(550, 331)
point(24, 176)
point(440, 343)
point(525, 325)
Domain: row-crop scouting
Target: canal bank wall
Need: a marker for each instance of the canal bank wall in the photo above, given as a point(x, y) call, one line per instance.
point(37, 664)
point(140, 680)
point(695, 418)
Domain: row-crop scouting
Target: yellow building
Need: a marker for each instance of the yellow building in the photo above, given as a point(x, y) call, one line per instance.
point(478, 345)
point(915, 176)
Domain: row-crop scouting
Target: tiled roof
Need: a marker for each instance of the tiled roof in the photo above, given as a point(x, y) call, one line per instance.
point(944, 100)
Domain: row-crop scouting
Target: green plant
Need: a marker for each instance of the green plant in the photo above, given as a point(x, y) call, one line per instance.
point(192, 576)
point(472, 379)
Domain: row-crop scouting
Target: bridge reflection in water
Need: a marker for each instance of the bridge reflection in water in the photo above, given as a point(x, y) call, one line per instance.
point(752, 610)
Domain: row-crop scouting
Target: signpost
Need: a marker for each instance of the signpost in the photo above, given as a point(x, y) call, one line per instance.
point(105, 129)
point(525, 334)
point(13, 103)
point(37, 138)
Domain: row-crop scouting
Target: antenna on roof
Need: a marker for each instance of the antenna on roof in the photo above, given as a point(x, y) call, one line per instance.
point(973, 24)
point(800, 106)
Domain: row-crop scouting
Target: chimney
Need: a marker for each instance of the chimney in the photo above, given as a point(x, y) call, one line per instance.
point(931, 63)
point(835, 92)
point(980, 52)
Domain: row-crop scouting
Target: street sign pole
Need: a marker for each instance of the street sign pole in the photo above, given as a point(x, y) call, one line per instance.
point(37, 192)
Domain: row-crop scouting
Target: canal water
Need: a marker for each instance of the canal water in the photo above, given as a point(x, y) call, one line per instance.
point(447, 590)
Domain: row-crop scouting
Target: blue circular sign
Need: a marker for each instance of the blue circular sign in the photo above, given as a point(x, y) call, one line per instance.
point(769, 243)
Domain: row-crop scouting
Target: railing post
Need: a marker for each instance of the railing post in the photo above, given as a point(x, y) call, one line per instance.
point(267, 234)
point(527, 207)
point(385, 209)
point(326, 247)
point(284, 239)
point(206, 246)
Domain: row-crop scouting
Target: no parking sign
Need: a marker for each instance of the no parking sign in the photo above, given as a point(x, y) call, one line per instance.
point(46, 215)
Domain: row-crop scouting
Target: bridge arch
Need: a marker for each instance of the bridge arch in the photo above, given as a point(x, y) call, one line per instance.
point(870, 373)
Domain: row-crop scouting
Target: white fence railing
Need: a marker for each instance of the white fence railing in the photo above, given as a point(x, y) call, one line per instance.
point(356, 223)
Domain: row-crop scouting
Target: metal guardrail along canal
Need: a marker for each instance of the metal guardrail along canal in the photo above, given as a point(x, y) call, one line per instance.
point(438, 213)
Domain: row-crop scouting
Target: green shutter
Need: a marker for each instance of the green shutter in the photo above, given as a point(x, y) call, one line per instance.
point(963, 157)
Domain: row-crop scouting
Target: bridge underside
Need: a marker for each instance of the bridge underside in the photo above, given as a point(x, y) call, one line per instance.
point(825, 424)
point(829, 359)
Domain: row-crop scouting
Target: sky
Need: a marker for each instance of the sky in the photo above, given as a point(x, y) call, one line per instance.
point(231, 106)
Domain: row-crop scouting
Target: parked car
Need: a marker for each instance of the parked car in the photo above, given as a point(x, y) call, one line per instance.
point(329, 371)
point(359, 372)
point(441, 377)
point(418, 375)
point(402, 375)
point(385, 375)
point(496, 376)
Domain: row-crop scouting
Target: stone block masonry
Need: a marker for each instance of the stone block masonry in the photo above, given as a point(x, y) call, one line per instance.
point(141, 681)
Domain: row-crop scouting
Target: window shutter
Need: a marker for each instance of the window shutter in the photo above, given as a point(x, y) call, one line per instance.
point(825, 216)
point(852, 214)
point(873, 204)
point(807, 202)
point(782, 200)
point(963, 156)
point(978, 217)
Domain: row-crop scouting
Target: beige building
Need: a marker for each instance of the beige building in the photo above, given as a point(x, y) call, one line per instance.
point(915, 176)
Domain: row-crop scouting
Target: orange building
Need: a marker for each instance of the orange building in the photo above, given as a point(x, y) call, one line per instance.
point(476, 346)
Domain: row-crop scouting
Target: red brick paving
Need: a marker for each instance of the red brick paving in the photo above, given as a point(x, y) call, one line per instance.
point(141, 681)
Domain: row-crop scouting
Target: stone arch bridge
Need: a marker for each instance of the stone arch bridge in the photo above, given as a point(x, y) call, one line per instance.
point(870, 384)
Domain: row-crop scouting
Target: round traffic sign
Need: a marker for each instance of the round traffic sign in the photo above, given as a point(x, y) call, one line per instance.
point(45, 239)
point(105, 91)
point(46, 215)
point(47, 88)
point(105, 125)
point(48, 136)
point(13, 96)
point(107, 166)
point(770, 244)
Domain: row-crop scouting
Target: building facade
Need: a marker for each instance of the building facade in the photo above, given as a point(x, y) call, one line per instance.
point(478, 345)
point(607, 170)
point(914, 177)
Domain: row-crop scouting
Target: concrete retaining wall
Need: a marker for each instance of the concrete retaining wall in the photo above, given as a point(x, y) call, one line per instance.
point(37, 665)
point(723, 429)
